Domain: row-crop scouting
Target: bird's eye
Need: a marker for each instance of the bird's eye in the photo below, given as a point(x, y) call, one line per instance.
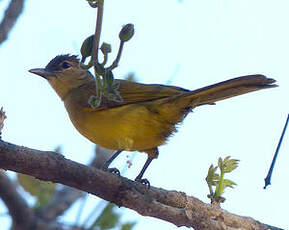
point(65, 65)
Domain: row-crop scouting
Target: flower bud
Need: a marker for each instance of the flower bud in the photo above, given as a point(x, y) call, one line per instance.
point(105, 48)
point(126, 32)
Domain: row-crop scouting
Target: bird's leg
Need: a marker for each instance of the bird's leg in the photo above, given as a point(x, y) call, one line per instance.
point(140, 175)
point(152, 154)
point(107, 163)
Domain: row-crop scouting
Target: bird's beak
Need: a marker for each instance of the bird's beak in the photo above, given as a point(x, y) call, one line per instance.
point(41, 72)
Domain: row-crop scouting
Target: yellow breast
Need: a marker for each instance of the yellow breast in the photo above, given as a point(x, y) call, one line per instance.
point(129, 127)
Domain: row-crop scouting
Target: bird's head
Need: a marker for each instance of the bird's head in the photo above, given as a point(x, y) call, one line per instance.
point(64, 74)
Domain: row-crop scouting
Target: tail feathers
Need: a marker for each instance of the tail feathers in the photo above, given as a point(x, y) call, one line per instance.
point(230, 88)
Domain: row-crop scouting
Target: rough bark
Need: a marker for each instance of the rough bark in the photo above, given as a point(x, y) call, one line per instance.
point(172, 206)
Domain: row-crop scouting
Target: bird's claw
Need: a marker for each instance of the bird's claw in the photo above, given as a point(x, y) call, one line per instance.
point(144, 182)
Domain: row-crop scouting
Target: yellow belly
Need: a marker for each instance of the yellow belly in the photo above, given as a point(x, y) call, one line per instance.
point(129, 127)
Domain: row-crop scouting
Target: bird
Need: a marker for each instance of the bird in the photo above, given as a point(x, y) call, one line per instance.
point(147, 115)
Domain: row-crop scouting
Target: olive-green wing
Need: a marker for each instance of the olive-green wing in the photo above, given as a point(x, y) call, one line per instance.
point(132, 92)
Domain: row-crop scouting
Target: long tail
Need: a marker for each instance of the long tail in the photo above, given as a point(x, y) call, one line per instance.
point(230, 88)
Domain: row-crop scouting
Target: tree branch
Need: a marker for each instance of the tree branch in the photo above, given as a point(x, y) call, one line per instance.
point(62, 200)
point(20, 212)
point(12, 13)
point(23, 217)
point(66, 196)
point(172, 206)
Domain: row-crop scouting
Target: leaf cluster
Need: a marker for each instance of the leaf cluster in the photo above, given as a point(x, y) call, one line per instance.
point(105, 84)
point(216, 182)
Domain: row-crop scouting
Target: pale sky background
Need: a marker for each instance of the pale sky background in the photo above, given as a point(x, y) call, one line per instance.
point(202, 42)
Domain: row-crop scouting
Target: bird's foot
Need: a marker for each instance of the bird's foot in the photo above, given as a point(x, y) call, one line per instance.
point(144, 182)
point(112, 170)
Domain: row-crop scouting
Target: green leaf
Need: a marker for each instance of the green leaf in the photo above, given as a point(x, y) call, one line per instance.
point(114, 96)
point(128, 226)
point(229, 164)
point(110, 90)
point(220, 163)
point(94, 102)
point(212, 177)
point(115, 85)
point(228, 183)
point(86, 47)
point(108, 77)
point(43, 191)
point(108, 218)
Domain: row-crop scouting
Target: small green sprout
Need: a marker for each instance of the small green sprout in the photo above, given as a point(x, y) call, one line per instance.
point(215, 180)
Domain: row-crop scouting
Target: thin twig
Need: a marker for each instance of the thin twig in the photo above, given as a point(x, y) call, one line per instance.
point(117, 59)
point(11, 15)
point(94, 55)
point(105, 57)
point(94, 101)
point(268, 177)
point(80, 209)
